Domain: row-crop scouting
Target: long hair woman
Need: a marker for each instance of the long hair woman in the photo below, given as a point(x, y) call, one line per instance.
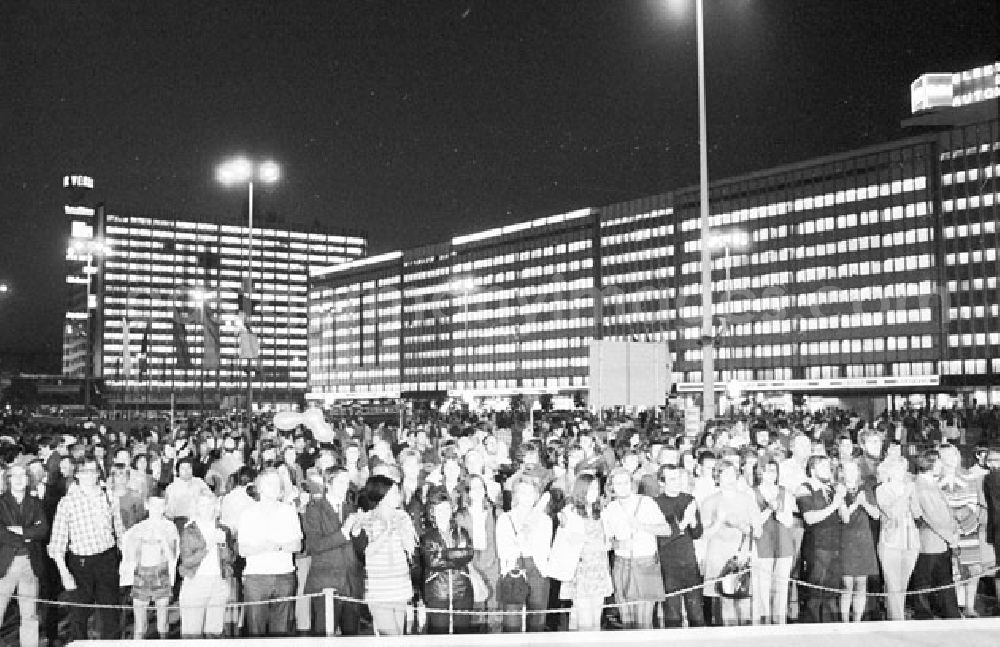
point(392, 541)
point(479, 519)
point(591, 582)
point(775, 546)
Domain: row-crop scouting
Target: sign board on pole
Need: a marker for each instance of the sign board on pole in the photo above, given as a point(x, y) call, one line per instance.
point(628, 374)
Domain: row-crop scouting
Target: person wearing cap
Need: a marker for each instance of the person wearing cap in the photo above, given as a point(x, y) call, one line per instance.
point(23, 528)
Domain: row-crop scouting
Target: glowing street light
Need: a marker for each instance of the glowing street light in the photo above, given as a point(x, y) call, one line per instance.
point(239, 170)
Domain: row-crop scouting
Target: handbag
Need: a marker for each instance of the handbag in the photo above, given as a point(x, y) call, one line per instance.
point(512, 587)
point(736, 574)
point(480, 589)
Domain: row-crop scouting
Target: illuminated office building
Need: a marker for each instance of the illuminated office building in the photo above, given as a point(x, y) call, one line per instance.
point(150, 271)
point(80, 267)
point(872, 271)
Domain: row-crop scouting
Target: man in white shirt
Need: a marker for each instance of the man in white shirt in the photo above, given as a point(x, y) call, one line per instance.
point(269, 534)
point(633, 522)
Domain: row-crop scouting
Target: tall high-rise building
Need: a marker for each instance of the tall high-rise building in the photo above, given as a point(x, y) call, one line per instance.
point(156, 287)
point(868, 271)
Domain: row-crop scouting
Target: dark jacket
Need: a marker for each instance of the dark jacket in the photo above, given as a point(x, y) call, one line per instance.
point(334, 558)
point(36, 530)
point(991, 489)
point(193, 550)
point(443, 565)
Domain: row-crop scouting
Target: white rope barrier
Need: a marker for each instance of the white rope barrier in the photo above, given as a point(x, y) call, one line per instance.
point(408, 607)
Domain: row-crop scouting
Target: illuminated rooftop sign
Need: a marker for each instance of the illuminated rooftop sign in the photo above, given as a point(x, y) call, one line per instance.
point(78, 181)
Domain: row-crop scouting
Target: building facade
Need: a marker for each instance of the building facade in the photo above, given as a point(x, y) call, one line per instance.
point(870, 271)
point(150, 282)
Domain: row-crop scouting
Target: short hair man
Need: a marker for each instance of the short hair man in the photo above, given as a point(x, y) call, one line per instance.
point(269, 533)
point(86, 533)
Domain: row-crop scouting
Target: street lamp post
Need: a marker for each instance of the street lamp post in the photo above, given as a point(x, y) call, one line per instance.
point(237, 171)
point(707, 326)
point(728, 241)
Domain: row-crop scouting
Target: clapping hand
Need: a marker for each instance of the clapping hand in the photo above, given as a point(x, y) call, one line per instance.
point(690, 519)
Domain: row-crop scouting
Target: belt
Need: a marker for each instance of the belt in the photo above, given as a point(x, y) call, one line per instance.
point(103, 552)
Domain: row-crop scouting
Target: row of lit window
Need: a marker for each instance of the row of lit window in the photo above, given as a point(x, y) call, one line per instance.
point(638, 276)
point(159, 226)
point(977, 256)
point(974, 339)
point(972, 202)
point(816, 201)
point(648, 254)
point(971, 150)
point(536, 253)
point(194, 384)
point(970, 175)
point(637, 236)
point(972, 229)
point(969, 366)
point(648, 215)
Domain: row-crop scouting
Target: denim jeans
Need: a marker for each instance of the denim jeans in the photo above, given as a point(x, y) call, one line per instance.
point(21, 577)
point(274, 619)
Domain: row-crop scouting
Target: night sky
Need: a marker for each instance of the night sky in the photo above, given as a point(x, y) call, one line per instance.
point(420, 119)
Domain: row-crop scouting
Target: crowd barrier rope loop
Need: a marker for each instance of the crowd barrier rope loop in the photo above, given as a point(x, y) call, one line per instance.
point(331, 595)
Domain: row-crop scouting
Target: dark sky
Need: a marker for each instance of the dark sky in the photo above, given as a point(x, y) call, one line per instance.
point(418, 119)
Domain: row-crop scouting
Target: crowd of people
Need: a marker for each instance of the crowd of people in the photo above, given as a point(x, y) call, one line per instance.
point(469, 527)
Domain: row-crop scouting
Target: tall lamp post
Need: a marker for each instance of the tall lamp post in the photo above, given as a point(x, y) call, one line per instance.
point(237, 171)
point(707, 326)
point(727, 241)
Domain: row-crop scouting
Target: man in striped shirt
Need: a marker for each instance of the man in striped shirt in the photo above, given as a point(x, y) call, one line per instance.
point(86, 532)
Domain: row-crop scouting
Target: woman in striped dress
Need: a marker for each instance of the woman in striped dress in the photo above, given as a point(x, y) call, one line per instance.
point(391, 543)
point(968, 505)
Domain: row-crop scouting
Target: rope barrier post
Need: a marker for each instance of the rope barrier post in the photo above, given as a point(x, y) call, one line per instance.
point(331, 622)
point(524, 618)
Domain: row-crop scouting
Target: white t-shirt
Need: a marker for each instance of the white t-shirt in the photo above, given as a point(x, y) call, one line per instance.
point(275, 522)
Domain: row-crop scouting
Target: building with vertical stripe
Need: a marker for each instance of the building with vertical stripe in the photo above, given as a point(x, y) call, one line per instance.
point(151, 280)
point(868, 271)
